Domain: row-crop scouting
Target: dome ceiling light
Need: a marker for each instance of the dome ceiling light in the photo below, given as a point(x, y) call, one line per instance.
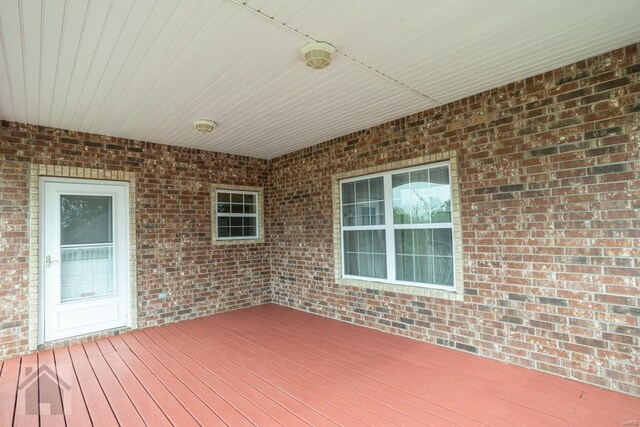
point(317, 55)
point(204, 126)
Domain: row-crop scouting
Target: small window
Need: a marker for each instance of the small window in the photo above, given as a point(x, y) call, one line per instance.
point(236, 215)
point(397, 227)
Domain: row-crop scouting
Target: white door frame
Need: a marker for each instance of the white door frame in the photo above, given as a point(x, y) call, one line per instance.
point(122, 224)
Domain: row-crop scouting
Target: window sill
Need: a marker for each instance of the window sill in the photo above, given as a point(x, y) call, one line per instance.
point(238, 241)
point(450, 295)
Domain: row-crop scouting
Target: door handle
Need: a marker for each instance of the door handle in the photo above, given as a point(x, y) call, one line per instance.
point(48, 261)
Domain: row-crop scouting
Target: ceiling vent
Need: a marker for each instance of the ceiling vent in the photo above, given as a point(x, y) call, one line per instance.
point(317, 55)
point(204, 126)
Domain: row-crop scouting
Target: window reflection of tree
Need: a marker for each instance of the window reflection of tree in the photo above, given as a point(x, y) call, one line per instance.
point(422, 210)
point(85, 220)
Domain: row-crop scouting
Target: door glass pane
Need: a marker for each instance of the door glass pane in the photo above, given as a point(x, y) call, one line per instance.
point(86, 236)
point(86, 272)
point(85, 220)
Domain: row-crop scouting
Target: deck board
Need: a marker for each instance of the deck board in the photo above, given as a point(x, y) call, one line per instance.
point(28, 383)
point(186, 396)
point(281, 378)
point(145, 405)
point(258, 360)
point(443, 377)
point(388, 371)
point(407, 413)
point(271, 365)
point(119, 401)
point(73, 402)
point(351, 339)
point(225, 410)
point(348, 391)
point(98, 407)
point(261, 400)
point(289, 410)
point(243, 403)
point(151, 385)
point(50, 390)
point(8, 390)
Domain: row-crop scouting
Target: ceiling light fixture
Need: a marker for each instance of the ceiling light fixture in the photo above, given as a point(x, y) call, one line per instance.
point(317, 55)
point(204, 126)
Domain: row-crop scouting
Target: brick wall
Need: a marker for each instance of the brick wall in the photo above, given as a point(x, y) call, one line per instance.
point(173, 228)
point(550, 203)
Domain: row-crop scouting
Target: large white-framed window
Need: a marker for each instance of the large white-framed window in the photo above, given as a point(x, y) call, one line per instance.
point(397, 227)
point(237, 214)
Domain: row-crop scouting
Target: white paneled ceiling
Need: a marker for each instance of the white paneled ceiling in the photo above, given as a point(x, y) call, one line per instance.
point(144, 69)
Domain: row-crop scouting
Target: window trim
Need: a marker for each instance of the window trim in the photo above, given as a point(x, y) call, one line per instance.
point(238, 215)
point(259, 214)
point(389, 226)
point(456, 292)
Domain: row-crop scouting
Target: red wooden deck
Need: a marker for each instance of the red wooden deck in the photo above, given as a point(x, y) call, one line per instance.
point(270, 365)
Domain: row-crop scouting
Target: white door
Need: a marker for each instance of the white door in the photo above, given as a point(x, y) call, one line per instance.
point(84, 256)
